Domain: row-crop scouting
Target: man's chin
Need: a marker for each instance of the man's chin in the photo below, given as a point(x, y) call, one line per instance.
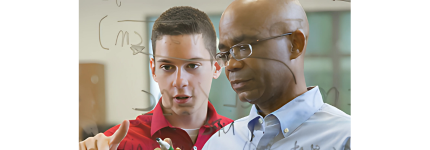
point(183, 111)
point(249, 96)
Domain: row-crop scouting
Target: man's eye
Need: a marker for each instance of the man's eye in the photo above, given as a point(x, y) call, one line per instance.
point(193, 66)
point(166, 67)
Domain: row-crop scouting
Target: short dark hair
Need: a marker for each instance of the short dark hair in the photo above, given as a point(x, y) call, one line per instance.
point(181, 20)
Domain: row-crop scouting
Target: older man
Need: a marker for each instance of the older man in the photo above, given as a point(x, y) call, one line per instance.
point(262, 46)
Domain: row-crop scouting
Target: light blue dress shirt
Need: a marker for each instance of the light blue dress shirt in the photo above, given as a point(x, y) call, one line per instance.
point(305, 123)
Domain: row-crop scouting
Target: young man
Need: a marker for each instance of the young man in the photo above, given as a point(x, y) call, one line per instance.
point(184, 45)
point(262, 46)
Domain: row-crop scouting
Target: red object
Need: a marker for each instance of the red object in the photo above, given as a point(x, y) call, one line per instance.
point(143, 131)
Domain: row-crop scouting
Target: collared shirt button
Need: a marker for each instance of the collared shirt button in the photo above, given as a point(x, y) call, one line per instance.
point(260, 120)
point(195, 148)
point(286, 130)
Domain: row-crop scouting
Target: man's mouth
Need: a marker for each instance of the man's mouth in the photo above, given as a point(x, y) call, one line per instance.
point(239, 84)
point(238, 81)
point(182, 98)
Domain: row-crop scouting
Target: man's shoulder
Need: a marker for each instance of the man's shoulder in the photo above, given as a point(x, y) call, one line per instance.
point(328, 125)
point(330, 118)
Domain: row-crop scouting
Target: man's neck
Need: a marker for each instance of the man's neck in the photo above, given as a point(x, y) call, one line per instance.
point(188, 121)
point(276, 102)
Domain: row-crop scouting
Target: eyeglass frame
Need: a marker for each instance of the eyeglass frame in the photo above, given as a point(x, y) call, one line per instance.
point(250, 47)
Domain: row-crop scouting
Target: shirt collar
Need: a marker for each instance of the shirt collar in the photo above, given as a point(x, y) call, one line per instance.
point(159, 121)
point(294, 113)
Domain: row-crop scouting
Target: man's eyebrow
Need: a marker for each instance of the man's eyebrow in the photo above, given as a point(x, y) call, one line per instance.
point(164, 60)
point(169, 61)
point(239, 39)
point(195, 58)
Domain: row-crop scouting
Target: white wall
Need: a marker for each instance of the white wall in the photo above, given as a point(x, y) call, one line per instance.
point(127, 74)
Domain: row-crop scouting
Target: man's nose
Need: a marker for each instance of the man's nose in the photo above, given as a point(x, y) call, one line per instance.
point(234, 65)
point(180, 79)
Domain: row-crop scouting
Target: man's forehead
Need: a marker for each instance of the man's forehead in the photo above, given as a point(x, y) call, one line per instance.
point(237, 32)
point(260, 14)
point(264, 22)
point(188, 47)
point(178, 38)
point(241, 34)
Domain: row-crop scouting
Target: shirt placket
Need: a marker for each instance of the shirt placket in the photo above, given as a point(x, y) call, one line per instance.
point(271, 128)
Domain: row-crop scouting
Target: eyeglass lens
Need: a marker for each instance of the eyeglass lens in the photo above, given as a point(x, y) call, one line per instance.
point(238, 52)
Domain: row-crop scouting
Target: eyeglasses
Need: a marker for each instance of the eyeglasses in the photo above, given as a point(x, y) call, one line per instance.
point(240, 51)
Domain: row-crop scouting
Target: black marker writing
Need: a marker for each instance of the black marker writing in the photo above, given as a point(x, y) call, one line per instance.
point(141, 40)
point(137, 48)
point(324, 95)
point(116, 1)
point(123, 36)
point(151, 101)
point(99, 33)
point(316, 147)
point(219, 132)
point(212, 126)
point(295, 146)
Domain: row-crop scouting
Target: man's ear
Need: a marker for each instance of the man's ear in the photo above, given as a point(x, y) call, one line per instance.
point(217, 71)
point(152, 62)
point(298, 42)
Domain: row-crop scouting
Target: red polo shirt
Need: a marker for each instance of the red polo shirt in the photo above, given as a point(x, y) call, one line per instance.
point(147, 127)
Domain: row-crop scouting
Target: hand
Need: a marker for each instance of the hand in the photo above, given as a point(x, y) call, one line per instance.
point(102, 142)
point(168, 141)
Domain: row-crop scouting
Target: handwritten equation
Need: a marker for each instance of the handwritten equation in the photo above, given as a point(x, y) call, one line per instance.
point(136, 48)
